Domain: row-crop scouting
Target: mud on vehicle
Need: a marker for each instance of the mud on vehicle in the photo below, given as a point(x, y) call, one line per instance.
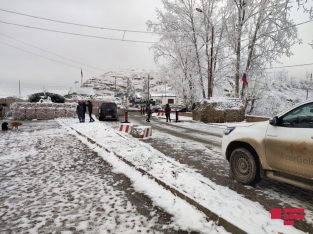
point(280, 148)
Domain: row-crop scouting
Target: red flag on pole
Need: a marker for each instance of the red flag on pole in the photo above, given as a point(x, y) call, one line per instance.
point(244, 79)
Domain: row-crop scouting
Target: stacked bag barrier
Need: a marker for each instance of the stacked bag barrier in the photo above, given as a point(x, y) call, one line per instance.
point(28, 111)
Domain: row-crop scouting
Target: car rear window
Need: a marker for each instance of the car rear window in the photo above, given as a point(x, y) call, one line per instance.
point(108, 105)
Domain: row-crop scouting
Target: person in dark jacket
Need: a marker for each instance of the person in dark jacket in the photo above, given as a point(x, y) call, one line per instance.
point(84, 108)
point(167, 112)
point(148, 111)
point(80, 111)
point(90, 111)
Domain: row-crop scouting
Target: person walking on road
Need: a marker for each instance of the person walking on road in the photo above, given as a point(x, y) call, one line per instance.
point(84, 108)
point(90, 111)
point(168, 112)
point(80, 111)
point(148, 111)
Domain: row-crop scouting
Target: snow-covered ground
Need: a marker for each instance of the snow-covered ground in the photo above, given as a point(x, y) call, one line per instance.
point(249, 216)
point(51, 182)
point(68, 196)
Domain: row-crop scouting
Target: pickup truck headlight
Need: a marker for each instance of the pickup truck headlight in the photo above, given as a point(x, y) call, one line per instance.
point(229, 130)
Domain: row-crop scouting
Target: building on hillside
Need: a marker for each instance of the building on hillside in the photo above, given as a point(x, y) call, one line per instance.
point(164, 98)
point(84, 92)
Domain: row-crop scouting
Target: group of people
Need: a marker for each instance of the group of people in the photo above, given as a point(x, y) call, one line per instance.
point(167, 111)
point(81, 111)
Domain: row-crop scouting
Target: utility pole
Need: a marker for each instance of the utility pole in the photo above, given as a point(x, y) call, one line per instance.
point(148, 90)
point(19, 88)
point(81, 77)
point(210, 78)
point(210, 91)
point(115, 87)
point(165, 89)
point(307, 93)
point(307, 90)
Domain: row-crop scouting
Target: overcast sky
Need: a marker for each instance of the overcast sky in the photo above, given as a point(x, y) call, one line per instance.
point(36, 73)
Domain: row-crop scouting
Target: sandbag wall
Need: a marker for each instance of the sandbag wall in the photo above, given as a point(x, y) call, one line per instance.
point(29, 111)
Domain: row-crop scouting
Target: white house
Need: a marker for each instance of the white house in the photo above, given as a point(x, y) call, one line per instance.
point(164, 98)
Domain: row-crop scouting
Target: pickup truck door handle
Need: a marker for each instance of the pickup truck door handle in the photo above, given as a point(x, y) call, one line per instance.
point(270, 135)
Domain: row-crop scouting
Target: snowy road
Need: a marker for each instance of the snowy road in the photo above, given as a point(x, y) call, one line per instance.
point(188, 144)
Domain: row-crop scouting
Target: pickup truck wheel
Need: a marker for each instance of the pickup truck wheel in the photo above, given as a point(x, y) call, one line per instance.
point(245, 166)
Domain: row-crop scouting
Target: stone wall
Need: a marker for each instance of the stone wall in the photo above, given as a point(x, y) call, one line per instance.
point(219, 111)
point(251, 118)
point(188, 114)
point(6, 102)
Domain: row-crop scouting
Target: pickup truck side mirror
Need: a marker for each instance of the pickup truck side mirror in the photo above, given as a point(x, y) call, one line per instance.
point(274, 121)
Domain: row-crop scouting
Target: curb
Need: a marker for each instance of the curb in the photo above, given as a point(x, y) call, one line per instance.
point(213, 216)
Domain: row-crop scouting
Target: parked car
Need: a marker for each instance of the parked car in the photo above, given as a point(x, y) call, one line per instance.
point(156, 109)
point(108, 110)
point(280, 148)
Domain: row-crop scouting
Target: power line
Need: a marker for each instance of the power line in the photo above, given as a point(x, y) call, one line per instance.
point(37, 83)
point(77, 34)
point(50, 52)
point(299, 65)
point(125, 30)
point(47, 58)
point(149, 42)
point(83, 25)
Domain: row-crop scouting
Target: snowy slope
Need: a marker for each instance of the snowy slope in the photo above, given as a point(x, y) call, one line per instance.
point(275, 97)
point(281, 95)
point(105, 84)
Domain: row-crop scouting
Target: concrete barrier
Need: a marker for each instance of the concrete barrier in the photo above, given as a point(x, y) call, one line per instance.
point(125, 127)
point(141, 131)
point(160, 114)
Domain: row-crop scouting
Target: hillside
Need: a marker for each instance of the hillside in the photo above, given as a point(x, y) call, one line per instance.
point(105, 84)
point(277, 96)
point(281, 95)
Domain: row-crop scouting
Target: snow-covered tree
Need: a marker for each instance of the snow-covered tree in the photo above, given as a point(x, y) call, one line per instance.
point(207, 45)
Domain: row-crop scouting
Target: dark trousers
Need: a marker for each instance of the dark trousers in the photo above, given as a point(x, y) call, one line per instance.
point(81, 116)
point(91, 119)
point(148, 118)
point(168, 117)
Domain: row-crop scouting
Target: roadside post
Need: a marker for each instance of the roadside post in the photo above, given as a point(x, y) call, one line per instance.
point(177, 116)
point(126, 117)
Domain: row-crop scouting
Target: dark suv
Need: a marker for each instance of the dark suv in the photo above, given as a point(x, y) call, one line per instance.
point(108, 110)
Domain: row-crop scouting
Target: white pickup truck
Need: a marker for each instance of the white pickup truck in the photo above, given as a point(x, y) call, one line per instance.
point(280, 148)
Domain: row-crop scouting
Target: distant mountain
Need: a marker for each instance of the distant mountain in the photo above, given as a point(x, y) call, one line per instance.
point(105, 84)
point(276, 97)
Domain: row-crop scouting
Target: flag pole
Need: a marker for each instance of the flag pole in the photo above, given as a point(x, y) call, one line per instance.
point(81, 81)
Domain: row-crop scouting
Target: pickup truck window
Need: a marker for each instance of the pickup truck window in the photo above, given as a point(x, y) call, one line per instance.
point(301, 117)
